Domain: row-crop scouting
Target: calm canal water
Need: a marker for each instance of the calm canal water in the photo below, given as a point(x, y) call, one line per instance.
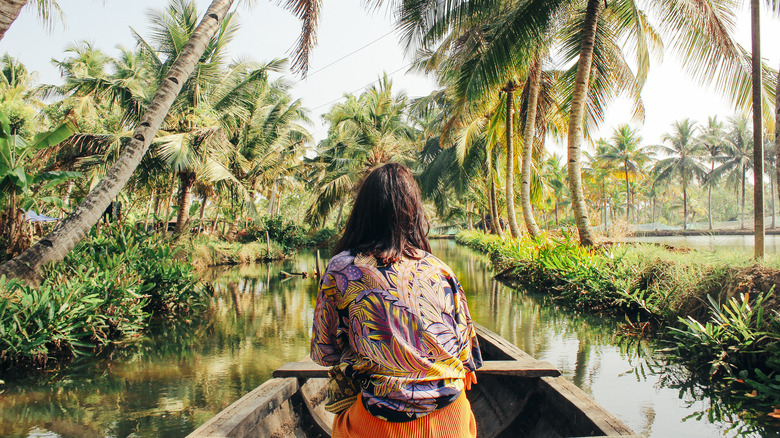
point(171, 382)
point(712, 243)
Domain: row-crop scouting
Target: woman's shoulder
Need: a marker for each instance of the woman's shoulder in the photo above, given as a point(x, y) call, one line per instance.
point(340, 261)
point(435, 262)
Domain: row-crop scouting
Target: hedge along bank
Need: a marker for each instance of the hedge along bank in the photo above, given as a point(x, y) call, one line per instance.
point(717, 314)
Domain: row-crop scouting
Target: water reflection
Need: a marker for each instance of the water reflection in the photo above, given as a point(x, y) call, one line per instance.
point(176, 379)
point(712, 243)
point(173, 381)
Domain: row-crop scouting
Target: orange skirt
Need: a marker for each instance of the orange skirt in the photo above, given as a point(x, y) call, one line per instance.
point(453, 421)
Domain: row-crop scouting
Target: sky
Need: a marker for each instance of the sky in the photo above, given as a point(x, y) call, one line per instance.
point(355, 47)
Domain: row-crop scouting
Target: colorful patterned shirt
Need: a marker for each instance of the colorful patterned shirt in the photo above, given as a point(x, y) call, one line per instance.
point(402, 330)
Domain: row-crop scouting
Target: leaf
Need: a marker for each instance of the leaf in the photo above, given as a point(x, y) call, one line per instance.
point(54, 137)
point(55, 178)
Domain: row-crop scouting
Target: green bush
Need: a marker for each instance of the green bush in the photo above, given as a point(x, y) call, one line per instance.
point(105, 290)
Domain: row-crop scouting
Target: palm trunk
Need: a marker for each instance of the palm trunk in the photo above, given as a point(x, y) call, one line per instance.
point(57, 244)
point(148, 213)
point(9, 10)
point(232, 231)
point(187, 180)
point(495, 219)
point(777, 136)
point(535, 77)
point(772, 196)
point(744, 171)
point(709, 194)
point(272, 200)
point(469, 220)
point(66, 197)
point(202, 214)
point(685, 203)
point(576, 120)
point(510, 160)
point(758, 132)
point(338, 217)
point(628, 193)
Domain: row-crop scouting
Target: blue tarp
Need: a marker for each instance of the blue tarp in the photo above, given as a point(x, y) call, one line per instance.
point(35, 217)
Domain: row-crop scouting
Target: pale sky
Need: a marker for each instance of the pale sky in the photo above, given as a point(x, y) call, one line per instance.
point(268, 32)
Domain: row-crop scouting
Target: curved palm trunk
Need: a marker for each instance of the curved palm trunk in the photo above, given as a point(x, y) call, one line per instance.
point(576, 120)
point(187, 180)
point(758, 132)
point(510, 160)
point(9, 10)
point(495, 220)
point(535, 78)
point(57, 244)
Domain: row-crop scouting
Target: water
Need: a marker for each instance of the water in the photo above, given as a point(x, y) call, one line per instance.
point(175, 380)
point(712, 243)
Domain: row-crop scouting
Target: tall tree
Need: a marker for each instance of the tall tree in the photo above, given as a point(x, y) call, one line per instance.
point(533, 86)
point(576, 121)
point(758, 130)
point(737, 158)
point(683, 161)
point(54, 246)
point(626, 154)
point(712, 139)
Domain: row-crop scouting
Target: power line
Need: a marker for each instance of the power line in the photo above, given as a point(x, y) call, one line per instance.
point(342, 58)
point(361, 88)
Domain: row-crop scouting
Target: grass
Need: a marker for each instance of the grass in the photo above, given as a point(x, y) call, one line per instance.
point(715, 313)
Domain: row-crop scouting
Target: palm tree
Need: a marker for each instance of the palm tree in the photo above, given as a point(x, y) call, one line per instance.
point(758, 130)
point(712, 139)
point(737, 159)
point(625, 152)
point(683, 161)
point(9, 10)
point(365, 132)
point(69, 232)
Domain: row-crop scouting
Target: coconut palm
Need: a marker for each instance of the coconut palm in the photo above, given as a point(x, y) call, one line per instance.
point(626, 155)
point(737, 159)
point(683, 162)
point(67, 233)
point(365, 132)
point(712, 139)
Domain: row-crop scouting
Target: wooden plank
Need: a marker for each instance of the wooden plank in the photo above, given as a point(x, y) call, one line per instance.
point(302, 370)
point(250, 410)
point(518, 369)
point(536, 368)
point(573, 402)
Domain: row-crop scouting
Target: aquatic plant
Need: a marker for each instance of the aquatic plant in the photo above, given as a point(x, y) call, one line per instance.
point(105, 291)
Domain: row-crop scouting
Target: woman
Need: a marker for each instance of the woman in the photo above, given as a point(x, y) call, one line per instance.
point(394, 318)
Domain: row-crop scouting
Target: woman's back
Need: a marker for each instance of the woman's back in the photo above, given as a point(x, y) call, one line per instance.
point(402, 329)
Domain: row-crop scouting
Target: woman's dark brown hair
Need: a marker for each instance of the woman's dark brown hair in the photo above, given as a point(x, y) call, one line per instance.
point(387, 220)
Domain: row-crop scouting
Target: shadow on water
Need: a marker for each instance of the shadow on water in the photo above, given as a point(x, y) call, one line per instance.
point(173, 380)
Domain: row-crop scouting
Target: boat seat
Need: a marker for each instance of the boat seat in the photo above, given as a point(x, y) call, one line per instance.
point(517, 368)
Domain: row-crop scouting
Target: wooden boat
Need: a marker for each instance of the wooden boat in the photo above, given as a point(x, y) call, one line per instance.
point(517, 396)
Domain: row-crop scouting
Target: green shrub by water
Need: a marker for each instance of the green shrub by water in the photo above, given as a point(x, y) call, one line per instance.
point(715, 313)
point(106, 290)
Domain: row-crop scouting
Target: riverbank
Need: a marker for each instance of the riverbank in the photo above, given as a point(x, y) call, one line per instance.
point(715, 314)
point(107, 291)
